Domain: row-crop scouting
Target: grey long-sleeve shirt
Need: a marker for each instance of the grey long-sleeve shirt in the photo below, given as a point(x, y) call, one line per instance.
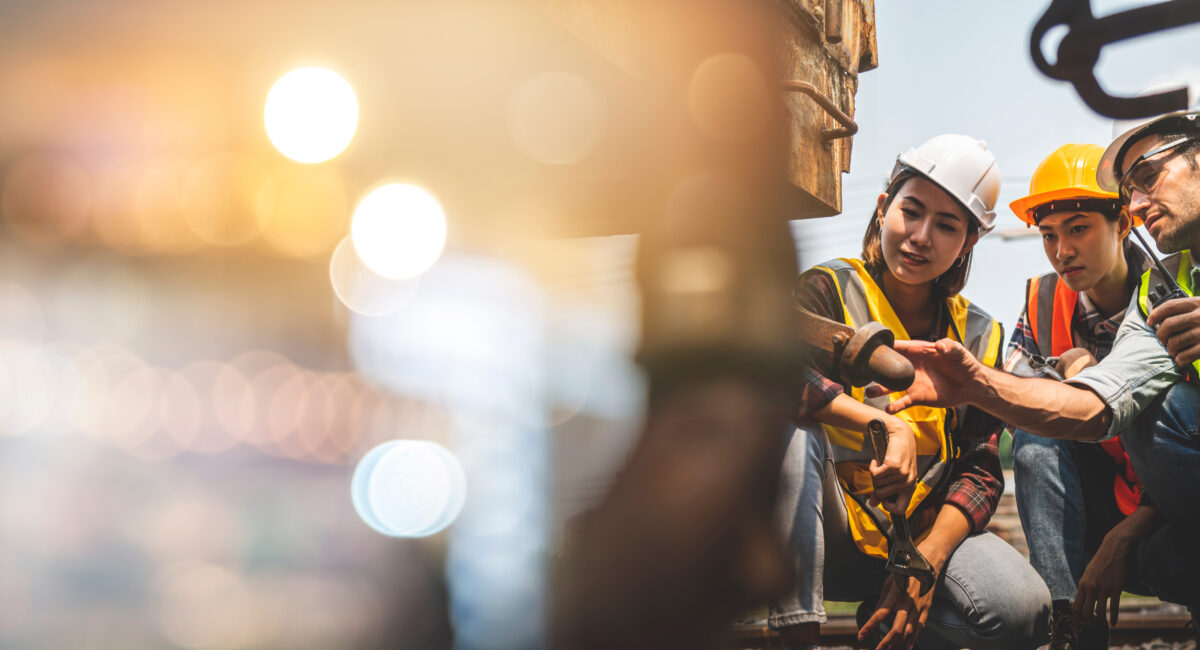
point(1136, 371)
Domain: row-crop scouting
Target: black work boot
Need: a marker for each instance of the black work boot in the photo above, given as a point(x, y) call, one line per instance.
point(1062, 632)
point(1095, 634)
point(1093, 630)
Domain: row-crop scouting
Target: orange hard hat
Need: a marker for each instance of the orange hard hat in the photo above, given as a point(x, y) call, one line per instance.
point(1066, 180)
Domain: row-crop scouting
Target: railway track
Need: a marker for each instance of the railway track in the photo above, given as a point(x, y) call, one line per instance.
point(1157, 630)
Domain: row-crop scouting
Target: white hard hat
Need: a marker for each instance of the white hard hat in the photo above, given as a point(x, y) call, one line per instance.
point(1127, 132)
point(963, 167)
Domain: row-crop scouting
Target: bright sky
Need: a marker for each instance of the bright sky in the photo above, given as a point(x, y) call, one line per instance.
point(964, 67)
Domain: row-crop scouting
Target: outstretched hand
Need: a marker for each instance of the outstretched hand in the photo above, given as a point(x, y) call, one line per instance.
point(945, 374)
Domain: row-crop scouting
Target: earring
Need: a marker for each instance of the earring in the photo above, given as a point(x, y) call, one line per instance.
point(959, 262)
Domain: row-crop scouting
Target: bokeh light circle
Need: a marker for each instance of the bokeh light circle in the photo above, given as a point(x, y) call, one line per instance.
point(364, 291)
point(398, 230)
point(409, 488)
point(311, 114)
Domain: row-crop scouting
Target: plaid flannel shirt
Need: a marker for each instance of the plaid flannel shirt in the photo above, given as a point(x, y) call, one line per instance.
point(816, 392)
point(977, 481)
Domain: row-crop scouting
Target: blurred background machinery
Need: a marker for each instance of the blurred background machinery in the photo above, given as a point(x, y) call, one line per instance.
point(254, 257)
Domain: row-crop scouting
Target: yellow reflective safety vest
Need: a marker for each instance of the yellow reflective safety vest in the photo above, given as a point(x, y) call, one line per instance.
point(1180, 266)
point(863, 301)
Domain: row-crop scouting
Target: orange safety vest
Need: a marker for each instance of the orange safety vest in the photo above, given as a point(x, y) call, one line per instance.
point(1049, 295)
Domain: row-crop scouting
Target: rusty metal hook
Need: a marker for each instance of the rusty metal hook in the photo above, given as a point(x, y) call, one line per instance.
point(1080, 49)
point(848, 129)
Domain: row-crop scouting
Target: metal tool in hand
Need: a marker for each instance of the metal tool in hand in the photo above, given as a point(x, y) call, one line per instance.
point(904, 559)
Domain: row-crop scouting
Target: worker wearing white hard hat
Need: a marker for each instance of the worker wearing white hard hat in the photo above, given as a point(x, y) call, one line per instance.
point(941, 465)
point(1145, 390)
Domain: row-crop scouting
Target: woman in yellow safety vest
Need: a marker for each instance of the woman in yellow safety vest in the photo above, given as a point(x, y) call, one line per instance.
point(941, 469)
point(1081, 504)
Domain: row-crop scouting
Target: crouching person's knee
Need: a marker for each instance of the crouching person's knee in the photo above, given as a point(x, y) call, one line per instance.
point(994, 600)
point(1034, 455)
point(1021, 622)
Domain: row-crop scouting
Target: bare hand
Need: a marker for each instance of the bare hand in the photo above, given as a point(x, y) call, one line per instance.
point(1178, 325)
point(897, 476)
point(945, 374)
point(1100, 586)
point(911, 612)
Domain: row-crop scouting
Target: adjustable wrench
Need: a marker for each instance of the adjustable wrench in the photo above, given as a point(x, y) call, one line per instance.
point(903, 557)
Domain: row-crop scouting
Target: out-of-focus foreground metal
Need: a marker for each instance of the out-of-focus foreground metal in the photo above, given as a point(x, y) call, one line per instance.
point(685, 536)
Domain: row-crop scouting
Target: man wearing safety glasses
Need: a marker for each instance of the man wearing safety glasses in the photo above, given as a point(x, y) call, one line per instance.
point(1145, 390)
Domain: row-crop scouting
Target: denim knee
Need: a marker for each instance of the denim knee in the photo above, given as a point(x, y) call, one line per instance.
point(1165, 450)
point(1179, 410)
point(992, 598)
point(1172, 420)
point(1031, 452)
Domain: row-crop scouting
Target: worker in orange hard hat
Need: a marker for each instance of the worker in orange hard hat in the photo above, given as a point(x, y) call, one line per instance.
point(1084, 228)
point(1080, 503)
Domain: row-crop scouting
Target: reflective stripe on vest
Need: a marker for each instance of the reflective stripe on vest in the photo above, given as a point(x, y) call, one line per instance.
point(1179, 264)
point(1048, 294)
point(863, 301)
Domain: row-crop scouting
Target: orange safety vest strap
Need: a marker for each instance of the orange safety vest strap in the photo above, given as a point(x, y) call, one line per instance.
point(1064, 309)
point(1050, 305)
point(1127, 488)
point(1031, 305)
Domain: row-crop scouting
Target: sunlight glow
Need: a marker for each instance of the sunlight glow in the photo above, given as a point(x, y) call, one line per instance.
point(311, 114)
point(556, 118)
point(399, 230)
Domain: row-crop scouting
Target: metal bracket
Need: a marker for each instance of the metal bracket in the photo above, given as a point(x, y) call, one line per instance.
point(833, 20)
point(1080, 49)
point(858, 356)
point(848, 129)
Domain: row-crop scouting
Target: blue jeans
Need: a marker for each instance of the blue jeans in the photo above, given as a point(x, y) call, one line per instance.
point(988, 597)
point(1065, 500)
point(1164, 446)
point(1066, 504)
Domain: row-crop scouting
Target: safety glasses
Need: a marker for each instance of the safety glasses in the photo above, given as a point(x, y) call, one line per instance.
point(1145, 172)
